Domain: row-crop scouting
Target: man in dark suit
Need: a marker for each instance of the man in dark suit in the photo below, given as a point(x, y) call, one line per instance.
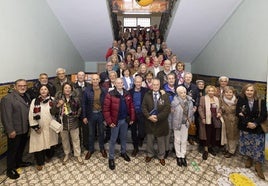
point(14, 113)
point(80, 87)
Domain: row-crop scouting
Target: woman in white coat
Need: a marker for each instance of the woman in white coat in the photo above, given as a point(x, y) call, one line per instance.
point(42, 138)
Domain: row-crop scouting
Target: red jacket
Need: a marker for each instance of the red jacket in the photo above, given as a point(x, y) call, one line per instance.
point(111, 106)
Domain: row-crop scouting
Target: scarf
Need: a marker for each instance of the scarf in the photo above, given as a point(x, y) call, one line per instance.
point(180, 76)
point(207, 105)
point(37, 106)
point(228, 101)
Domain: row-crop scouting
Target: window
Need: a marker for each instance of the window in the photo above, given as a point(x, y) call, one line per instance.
point(133, 22)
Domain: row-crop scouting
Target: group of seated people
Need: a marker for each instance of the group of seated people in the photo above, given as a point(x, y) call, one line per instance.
point(149, 93)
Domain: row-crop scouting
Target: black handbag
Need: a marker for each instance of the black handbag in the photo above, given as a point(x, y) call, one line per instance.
point(216, 122)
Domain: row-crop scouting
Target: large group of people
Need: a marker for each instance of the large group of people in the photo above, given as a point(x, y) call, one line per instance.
point(145, 88)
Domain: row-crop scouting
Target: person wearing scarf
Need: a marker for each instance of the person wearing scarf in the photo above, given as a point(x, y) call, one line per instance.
point(210, 136)
point(68, 110)
point(42, 138)
point(181, 116)
point(228, 107)
point(179, 71)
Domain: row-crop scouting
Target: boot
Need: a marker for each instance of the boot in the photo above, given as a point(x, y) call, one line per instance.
point(258, 169)
point(248, 162)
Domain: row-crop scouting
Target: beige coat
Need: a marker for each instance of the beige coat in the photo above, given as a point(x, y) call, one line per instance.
point(204, 113)
point(230, 120)
point(48, 137)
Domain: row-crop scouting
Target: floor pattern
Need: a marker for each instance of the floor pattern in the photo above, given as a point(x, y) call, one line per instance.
point(137, 172)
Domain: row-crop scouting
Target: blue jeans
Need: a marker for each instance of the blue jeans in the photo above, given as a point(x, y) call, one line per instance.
point(121, 128)
point(96, 120)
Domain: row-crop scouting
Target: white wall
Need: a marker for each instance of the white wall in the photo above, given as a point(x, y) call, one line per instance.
point(32, 41)
point(91, 66)
point(240, 49)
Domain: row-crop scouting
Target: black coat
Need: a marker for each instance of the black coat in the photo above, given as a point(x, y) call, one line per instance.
point(253, 115)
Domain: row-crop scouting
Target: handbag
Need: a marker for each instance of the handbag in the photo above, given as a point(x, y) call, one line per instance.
point(192, 129)
point(216, 122)
point(56, 126)
point(264, 124)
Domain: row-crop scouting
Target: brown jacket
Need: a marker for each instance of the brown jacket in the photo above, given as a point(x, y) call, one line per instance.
point(160, 128)
point(230, 120)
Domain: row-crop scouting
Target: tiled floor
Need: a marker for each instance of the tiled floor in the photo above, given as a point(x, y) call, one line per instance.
point(136, 172)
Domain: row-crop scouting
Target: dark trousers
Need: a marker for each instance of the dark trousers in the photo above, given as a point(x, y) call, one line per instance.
point(15, 149)
point(96, 122)
point(83, 134)
point(138, 130)
point(41, 155)
point(211, 136)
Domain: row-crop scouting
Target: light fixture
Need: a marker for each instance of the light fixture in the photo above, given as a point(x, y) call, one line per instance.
point(144, 2)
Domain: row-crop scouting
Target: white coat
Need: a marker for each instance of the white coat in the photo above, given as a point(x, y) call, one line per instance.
point(48, 137)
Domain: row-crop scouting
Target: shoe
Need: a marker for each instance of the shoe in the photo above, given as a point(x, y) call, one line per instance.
point(212, 152)
point(258, 169)
point(88, 155)
point(103, 153)
point(191, 141)
point(166, 154)
point(249, 162)
point(148, 159)
point(39, 167)
point(228, 155)
point(24, 164)
point(65, 159)
point(125, 156)
point(111, 164)
point(80, 160)
point(162, 162)
point(135, 152)
point(12, 174)
point(205, 155)
point(184, 162)
point(179, 163)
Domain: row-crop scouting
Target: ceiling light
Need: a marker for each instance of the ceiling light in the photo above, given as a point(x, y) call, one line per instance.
point(144, 2)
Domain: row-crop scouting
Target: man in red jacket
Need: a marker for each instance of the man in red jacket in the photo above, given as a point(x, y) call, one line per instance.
point(118, 105)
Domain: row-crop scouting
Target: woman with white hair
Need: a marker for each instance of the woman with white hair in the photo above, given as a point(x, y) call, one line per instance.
point(181, 116)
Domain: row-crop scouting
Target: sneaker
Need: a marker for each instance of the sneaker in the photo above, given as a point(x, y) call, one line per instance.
point(80, 160)
point(65, 159)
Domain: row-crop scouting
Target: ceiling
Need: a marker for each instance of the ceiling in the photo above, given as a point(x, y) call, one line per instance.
point(194, 24)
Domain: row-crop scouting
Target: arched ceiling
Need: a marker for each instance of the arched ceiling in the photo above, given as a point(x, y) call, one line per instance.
point(193, 25)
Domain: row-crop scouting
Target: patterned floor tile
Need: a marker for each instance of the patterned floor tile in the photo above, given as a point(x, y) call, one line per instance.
point(137, 172)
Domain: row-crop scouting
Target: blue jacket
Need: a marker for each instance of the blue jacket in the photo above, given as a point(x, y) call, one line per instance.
point(143, 91)
point(87, 101)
